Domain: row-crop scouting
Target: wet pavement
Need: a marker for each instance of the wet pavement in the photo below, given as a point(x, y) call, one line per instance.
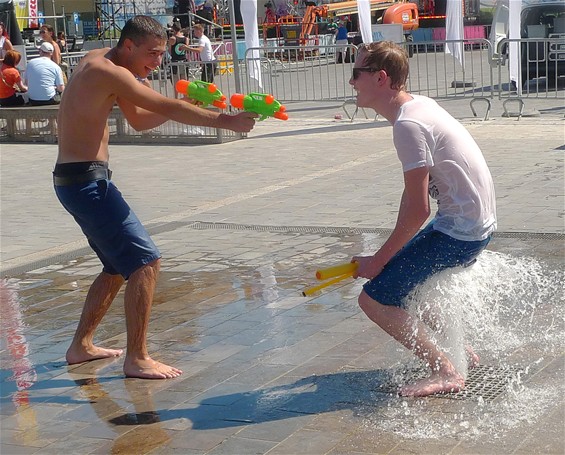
point(242, 227)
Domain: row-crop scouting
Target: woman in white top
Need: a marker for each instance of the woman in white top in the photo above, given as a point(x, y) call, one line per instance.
point(5, 43)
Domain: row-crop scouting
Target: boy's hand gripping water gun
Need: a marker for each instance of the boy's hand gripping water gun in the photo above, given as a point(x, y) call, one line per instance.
point(337, 273)
point(260, 103)
point(204, 92)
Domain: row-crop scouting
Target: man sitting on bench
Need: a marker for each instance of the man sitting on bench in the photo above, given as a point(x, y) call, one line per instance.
point(44, 78)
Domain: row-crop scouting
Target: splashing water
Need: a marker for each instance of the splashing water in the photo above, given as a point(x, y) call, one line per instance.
point(498, 305)
point(412, 419)
point(511, 310)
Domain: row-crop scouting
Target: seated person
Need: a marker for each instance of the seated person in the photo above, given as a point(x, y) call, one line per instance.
point(44, 78)
point(11, 81)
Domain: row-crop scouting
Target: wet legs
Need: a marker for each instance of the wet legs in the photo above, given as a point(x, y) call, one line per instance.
point(138, 301)
point(412, 334)
point(99, 298)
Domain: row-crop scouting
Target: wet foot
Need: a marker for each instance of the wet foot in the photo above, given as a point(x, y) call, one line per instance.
point(473, 359)
point(436, 383)
point(147, 368)
point(81, 354)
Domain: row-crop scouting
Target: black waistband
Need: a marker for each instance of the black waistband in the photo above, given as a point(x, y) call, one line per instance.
point(78, 167)
point(89, 176)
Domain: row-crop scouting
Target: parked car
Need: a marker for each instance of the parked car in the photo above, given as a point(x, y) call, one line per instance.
point(542, 26)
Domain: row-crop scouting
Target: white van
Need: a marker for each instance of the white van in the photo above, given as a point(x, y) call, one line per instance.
point(541, 20)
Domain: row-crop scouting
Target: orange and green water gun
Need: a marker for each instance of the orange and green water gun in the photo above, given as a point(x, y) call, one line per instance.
point(260, 103)
point(203, 92)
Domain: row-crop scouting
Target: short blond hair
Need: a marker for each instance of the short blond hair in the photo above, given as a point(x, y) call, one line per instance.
point(388, 56)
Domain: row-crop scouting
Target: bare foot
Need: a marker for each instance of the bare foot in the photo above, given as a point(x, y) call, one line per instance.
point(473, 359)
point(436, 383)
point(147, 368)
point(82, 354)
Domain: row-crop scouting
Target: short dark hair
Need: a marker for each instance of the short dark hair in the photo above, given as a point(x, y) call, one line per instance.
point(139, 28)
point(388, 56)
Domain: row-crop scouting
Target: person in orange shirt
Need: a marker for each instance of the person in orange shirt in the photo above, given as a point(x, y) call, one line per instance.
point(11, 81)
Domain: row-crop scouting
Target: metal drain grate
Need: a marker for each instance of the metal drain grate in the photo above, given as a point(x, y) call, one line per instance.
point(289, 229)
point(487, 382)
point(80, 248)
point(483, 382)
point(202, 225)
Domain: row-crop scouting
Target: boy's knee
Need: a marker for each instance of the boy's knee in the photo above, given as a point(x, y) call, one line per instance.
point(366, 303)
point(149, 270)
point(377, 312)
point(370, 305)
point(114, 279)
point(156, 264)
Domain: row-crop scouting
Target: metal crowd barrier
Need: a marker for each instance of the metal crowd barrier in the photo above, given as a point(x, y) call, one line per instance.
point(73, 59)
point(302, 73)
point(437, 74)
point(316, 73)
point(541, 69)
point(308, 74)
point(39, 124)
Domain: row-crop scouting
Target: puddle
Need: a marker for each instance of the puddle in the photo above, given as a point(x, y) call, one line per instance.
point(508, 306)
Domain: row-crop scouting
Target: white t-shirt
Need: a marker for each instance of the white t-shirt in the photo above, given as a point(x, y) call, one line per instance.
point(2, 42)
point(427, 135)
point(42, 76)
point(206, 54)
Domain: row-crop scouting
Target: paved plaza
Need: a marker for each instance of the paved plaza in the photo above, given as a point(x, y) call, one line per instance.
point(242, 227)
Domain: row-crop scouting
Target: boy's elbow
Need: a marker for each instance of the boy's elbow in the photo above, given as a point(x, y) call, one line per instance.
point(425, 213)
point(420, 214)
point(138, 126)
point(147, 122)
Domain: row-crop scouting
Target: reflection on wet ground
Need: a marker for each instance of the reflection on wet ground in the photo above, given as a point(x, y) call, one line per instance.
point(265, 369)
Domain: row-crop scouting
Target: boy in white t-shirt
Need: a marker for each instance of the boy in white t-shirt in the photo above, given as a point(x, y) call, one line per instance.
point(440, 160)
point(204, 48)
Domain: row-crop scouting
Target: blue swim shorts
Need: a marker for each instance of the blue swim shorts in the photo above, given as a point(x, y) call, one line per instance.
point(113, 230)
point(428, 253)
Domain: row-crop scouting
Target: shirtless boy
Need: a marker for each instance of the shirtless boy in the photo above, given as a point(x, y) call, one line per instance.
point(82, 183)
point(440, 160)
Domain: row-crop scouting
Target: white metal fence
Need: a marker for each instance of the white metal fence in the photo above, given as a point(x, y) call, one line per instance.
point(322, 72)
point(318, 73)
point(541, 71)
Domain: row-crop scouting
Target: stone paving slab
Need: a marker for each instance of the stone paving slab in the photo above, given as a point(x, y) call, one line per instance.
point(310, 170)
point(265, 369)
point(242, 228)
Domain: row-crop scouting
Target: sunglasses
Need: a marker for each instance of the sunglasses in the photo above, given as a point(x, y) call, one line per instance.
point(362, 69)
